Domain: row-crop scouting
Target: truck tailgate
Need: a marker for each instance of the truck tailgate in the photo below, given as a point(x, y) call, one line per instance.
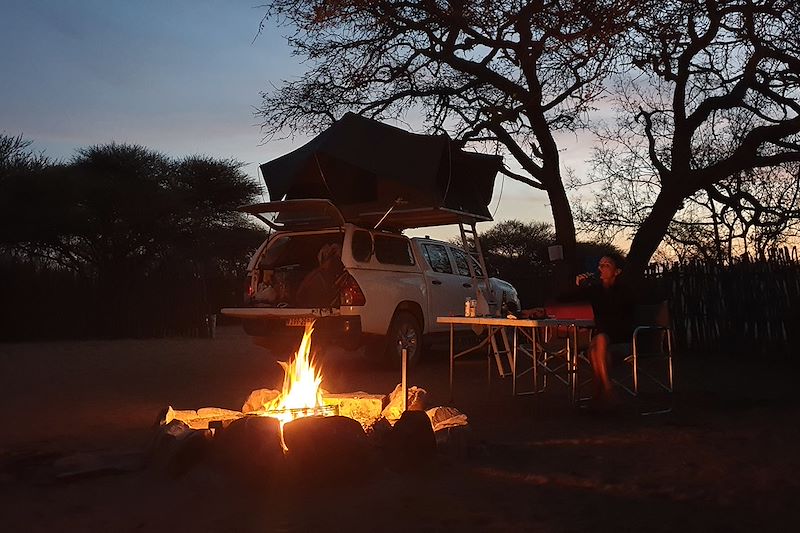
point(277, 312)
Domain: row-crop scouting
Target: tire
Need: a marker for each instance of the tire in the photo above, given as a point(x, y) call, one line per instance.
point(404, 331)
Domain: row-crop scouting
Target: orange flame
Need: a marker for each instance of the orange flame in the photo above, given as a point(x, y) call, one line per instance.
point(301, 394)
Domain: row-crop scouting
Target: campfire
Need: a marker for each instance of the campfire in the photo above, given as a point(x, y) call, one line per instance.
point(305, 425)
point(301, 394)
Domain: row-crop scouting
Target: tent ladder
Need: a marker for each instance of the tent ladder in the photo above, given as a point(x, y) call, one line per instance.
point(472, 246)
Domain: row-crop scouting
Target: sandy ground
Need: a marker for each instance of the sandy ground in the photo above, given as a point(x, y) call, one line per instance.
point(725, 459)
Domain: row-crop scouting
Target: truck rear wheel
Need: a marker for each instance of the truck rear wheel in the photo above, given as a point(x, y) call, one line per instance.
point(404, 332)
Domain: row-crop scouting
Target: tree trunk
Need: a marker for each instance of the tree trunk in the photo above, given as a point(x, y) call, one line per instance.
point(563, 222)
point(565, 236)
point(651, 233)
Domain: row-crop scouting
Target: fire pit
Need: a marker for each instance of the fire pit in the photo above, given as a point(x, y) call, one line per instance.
point(304, 427)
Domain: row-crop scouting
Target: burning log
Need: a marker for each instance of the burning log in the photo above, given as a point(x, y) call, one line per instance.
point(361, 406)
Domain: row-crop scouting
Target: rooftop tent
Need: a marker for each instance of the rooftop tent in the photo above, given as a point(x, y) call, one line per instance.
point(365, 167)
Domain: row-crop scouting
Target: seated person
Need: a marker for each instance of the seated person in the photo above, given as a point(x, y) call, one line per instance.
point(266, 292)
point(320, 286)
point(613, 305)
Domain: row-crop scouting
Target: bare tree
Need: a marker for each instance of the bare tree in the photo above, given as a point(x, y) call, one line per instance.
point(711, 102)
point(506, 75)
point(750, 213)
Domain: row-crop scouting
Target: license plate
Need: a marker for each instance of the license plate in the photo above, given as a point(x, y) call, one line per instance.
point(301, 321)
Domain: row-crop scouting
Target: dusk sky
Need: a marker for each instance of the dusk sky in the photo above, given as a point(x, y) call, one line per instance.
point(182, 77)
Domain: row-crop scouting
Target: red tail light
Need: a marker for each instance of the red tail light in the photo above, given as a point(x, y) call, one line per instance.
point(350, 293)
point(249, 291)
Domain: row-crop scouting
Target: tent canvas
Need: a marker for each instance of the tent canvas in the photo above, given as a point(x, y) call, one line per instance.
point(366, 167)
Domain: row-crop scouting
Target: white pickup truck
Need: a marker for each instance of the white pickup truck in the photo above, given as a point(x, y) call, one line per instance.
point(362, 286)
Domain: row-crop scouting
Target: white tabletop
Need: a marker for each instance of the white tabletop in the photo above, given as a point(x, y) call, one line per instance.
point(516, 322)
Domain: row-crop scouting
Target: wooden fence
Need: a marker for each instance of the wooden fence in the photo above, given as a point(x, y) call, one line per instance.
point(746, 308)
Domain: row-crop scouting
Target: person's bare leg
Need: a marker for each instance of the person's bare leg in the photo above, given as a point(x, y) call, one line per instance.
point(599, 356)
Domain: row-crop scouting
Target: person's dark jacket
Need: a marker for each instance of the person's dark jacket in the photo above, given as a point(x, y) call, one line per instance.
point(613, 307)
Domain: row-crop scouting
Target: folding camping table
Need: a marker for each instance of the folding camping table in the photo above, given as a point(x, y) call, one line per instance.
point(531, 326)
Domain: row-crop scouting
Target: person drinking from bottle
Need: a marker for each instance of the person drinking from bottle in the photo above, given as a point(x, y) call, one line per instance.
point(613, 305)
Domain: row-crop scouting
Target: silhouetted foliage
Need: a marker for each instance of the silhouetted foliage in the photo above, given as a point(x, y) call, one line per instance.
point(518, 253)
point(122, 241)
point(17, 157)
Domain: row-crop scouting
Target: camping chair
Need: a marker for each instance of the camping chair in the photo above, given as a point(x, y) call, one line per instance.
point(553, 348)
point(548, 348)
point(552, 358)
point(651, 350)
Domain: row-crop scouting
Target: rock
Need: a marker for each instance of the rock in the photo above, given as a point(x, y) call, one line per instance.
point(255, 402)
point(326, 448)
point(176, 447)
point(411, 444)
point(360, 406)
point(216, 413)
point(394, 408)
point(184, 415)
point(250, 447)
point(189, 452)
point(455, 442)
point(175, 429)
point(199, 419)
point(446, 417)
point(452, 432)
point(219, 425)
point(379, 431)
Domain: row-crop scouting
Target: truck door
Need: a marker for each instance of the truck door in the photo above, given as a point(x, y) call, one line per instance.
point(460, 259)
point(444, 287)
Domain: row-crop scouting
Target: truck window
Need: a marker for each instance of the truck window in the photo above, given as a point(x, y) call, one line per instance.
point(393, 250)
point(461, 263)
point(362, 246)
point(436, 256)
point(298, 250)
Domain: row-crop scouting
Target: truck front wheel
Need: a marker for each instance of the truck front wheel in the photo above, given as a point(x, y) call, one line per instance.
point(404, 332)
